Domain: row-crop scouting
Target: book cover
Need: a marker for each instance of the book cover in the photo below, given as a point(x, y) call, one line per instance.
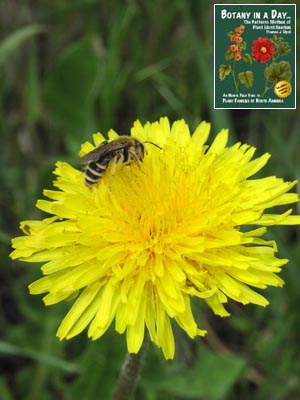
point(255, 56)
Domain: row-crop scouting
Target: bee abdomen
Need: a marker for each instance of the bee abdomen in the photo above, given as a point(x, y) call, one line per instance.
point(94, 172)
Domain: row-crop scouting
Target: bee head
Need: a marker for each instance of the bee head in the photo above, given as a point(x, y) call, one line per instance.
point(140, 149)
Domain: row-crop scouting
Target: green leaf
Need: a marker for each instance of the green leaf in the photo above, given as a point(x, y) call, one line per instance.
point(70, 91)
point(5, 390)
point(281, 46)
point(211, 377)
point(48, 359)
point(247, 58)
point(100, 363)
point(243, 45)
point(278, 71)
point(14, 40)
point(32, 101)
point(282, 49)
point(224, 71)
point(246, 78)
point(229, 55)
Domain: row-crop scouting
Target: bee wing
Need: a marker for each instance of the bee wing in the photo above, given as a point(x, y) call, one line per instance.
point(104, 149)
point(95, 154)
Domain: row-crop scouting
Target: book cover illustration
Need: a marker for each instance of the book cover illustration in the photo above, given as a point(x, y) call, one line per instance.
point(255, 56)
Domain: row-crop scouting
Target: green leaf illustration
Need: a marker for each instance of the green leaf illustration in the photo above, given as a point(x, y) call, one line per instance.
point(247, 58)
point(243, 45)
point(246, 78)
point(224, 71)
point(278, 71)
point(229, 55)
point(281, 46)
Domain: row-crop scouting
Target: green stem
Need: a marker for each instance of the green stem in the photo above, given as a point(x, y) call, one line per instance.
point(130, 373)
point(233, 77)
point(267, 88)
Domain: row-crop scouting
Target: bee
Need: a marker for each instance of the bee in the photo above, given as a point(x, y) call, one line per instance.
point(124, 150)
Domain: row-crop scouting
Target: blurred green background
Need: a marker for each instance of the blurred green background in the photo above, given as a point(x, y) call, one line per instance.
point(68, 69)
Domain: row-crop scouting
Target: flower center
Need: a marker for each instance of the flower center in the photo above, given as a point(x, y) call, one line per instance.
point(263, 49)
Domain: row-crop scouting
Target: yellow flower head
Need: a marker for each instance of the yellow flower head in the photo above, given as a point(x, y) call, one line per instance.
point(149, 236)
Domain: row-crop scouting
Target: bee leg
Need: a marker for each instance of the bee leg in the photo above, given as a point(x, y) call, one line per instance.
point(114, 164)
point(125, 155)
point(132, 156)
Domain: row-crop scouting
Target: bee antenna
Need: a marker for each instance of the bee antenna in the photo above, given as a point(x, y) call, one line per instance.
point(154, 144)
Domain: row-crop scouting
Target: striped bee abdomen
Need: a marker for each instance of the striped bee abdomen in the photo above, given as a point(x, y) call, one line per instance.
point(94, 171)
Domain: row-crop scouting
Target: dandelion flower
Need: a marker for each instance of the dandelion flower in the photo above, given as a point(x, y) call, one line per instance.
point(141, 243)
